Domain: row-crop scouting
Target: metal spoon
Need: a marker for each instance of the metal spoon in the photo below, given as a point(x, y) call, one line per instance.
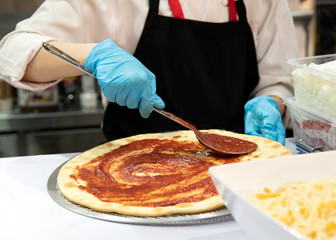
point(218, 143)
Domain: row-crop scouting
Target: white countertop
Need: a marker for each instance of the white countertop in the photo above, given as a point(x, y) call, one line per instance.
point(28, 212)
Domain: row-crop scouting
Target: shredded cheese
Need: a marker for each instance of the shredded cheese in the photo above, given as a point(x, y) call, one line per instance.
point(308, 207)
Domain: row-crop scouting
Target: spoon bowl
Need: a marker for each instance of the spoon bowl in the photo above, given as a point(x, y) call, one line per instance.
point(221, 144)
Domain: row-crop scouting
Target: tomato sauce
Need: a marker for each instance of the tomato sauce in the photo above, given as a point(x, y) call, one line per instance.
point(152, 173)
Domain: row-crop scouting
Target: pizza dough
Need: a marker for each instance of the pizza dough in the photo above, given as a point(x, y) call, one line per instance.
point(153, 174)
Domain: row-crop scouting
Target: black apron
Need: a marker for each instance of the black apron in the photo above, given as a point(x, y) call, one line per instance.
point(204, 72)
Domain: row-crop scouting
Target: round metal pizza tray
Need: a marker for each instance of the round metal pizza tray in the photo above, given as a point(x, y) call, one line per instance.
point(216, 216)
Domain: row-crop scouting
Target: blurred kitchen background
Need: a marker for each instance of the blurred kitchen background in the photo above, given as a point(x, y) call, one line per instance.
point(67, 118)
point(64, 118)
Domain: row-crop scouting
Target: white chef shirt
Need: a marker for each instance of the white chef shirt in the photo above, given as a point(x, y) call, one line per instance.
point(92, 21)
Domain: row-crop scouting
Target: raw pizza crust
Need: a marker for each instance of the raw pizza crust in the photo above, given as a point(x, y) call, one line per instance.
point(69, 187)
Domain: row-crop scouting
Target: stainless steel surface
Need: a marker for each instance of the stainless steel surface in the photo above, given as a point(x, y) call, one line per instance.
point(71, 131)
point(48, 120)
point(303, 147)
point(220, 215)
point(63, 141)
point(9, 144)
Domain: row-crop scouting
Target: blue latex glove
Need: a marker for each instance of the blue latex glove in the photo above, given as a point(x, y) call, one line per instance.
point(123, 78)
point(262, 118)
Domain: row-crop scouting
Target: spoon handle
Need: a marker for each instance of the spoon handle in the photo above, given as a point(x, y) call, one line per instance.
point(176, 119)
point(65, 57)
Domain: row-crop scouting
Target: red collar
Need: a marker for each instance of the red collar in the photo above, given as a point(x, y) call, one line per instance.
point(175, 7)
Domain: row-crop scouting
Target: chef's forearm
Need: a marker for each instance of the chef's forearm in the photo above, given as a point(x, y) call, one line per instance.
point(46, 67)
point(282, 106)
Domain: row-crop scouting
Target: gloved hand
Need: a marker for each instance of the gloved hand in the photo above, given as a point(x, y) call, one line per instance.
point(262, 118)
point(122, 78)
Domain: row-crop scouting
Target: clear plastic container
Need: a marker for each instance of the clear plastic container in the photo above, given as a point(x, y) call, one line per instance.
point(314, 80)
point(316, 129)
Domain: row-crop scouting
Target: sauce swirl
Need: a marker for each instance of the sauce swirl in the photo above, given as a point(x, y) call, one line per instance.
point(152, 173)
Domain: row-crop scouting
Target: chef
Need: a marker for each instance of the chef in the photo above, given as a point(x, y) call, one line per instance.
point(214, 63)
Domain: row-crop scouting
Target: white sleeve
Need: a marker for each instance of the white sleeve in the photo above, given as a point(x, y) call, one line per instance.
point(64, 20)
point(275, 43)
point(273, 29)
point(16, 51)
